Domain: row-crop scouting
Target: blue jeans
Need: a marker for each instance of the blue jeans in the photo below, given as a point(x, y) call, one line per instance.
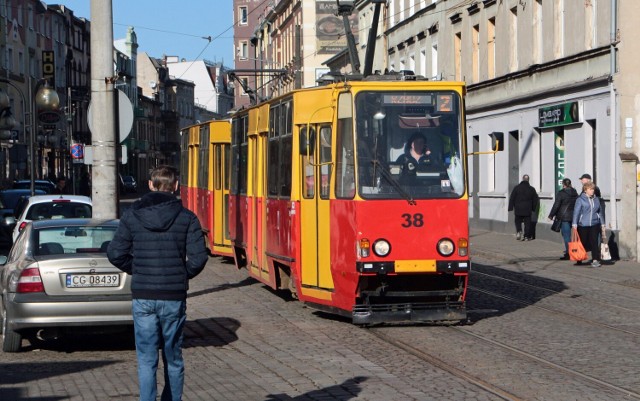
point(565, 230)
point(158, 324)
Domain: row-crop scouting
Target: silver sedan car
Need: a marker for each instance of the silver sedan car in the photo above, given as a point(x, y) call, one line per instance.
point(57, 275)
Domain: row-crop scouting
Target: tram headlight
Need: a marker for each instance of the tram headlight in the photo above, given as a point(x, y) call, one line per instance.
point(445, 247)
point(381, 247)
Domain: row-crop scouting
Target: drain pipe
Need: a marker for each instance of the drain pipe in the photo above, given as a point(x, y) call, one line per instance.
point(613, 214)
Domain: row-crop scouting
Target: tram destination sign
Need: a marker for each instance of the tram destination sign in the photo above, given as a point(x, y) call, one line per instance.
point(560, 114)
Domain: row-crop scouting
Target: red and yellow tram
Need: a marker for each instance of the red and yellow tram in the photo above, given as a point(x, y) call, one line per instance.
point(323, 200)
point(204, 184)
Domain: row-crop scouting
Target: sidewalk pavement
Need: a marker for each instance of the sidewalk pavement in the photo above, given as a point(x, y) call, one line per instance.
point(504, 248)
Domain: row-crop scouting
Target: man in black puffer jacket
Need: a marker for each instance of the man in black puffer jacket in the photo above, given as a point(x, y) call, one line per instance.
point(161, 245)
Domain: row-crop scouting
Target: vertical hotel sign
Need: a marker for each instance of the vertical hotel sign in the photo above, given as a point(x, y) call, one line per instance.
point(330, 35)
point(49, 66)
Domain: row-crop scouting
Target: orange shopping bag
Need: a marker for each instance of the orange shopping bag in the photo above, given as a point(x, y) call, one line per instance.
point(576, 250)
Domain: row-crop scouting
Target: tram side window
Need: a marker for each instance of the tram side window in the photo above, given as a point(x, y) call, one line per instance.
point(238, 162)
point(217, 167)
point(345, 165)
point(203, 170)
point(286, 143)
point(243, 157)
point(325, 160)
point(273, 152)
point(280, 150)
point(227, 161)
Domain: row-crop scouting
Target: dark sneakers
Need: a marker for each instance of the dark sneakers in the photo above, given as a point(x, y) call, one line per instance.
point(565, 257)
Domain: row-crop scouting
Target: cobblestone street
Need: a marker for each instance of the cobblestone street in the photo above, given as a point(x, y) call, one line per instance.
point(540, 329)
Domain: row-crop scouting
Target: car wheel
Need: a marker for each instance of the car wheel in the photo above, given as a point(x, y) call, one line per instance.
point(11, 341)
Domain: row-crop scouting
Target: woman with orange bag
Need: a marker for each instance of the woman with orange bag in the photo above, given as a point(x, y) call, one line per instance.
point(588, 219)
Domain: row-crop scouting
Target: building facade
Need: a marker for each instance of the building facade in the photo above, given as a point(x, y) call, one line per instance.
point(39, 43)
point(556, 78)
point(247, 15)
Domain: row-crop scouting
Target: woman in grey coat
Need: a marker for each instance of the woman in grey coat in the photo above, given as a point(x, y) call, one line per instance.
point(588, 219)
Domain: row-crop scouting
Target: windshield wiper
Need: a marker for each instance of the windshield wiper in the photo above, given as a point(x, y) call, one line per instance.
point(386, 174)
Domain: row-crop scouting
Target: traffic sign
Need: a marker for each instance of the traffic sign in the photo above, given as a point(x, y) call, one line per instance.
point(77, 151)
point(125, 115)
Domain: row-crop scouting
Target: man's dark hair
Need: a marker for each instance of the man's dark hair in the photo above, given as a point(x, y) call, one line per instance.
point(164, 178)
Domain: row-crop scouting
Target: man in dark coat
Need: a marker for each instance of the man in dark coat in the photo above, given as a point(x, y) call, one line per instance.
point(523, 201)
point(160, 243)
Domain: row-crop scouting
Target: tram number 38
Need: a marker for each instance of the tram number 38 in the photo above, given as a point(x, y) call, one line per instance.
point(412, 220)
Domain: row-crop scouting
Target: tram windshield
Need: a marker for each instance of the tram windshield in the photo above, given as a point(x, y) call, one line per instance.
point(409, 145)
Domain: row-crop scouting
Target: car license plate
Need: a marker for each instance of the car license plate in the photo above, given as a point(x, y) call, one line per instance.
point(93, 280)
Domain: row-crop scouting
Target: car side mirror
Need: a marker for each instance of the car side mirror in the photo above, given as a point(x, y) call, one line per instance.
point(3, 260)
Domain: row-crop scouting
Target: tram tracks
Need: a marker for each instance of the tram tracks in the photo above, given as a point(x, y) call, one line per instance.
point(552, 310)
point(494, 389)
point(551, 291)
point(444, 365)
point(461, 369)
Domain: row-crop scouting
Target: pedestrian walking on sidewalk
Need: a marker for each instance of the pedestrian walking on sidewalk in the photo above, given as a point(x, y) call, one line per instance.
point(562, 210)
point(523, 202)
point(588, 219)
point(160, 243)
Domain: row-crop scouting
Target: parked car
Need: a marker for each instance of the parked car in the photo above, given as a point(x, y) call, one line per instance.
point(9, 200)
point(129, 183)
point(44, 207)
point(43, 185)
point(57, 276)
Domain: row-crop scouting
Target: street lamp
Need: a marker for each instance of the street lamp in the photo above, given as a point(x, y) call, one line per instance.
point(45, 99)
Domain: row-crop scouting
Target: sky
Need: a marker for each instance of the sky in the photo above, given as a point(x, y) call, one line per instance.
point(174, 28)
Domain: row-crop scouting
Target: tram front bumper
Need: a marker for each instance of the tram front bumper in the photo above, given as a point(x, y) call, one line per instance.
point(452, 312)
point(414, 266)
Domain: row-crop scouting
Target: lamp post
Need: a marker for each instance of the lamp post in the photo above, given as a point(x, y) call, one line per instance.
point(46, 99)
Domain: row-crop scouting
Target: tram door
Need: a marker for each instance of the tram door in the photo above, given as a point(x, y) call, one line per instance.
point(315, 168)
point(194, 163)
point(220, 197)
point(258, 234)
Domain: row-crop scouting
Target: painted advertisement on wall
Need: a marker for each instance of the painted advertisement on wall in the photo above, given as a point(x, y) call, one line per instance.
point(330, 33)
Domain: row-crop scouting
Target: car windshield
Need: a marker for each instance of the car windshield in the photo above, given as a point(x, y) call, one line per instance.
point(73, 239)
point(58, 210)
point(409, 145)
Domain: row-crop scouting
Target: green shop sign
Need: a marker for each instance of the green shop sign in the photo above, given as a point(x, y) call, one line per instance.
point(560, 114)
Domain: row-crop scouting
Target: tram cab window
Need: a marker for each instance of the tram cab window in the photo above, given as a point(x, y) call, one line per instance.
point(408, 145)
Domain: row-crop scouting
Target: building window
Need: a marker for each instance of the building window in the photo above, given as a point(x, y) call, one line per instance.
point(537, 31)
point(245, 84)
point(243, 15)
point(434, 60)
point(476, 53)
point(491, 48)
point(457, 54)
point(20, 63)
point(513, 36)
point(243, 50)
point(558, 28)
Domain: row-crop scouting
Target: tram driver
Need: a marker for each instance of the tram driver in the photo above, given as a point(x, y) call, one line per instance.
point(418, 154)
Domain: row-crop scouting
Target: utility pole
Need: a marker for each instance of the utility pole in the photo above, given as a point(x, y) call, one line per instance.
point(104, 190)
